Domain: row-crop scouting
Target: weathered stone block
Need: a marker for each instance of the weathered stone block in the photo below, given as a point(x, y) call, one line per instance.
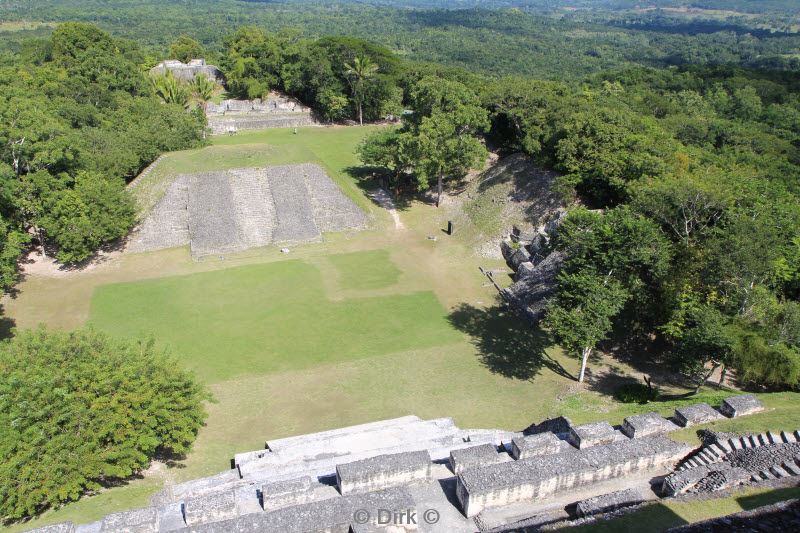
point(608, 502)
point(700, 413)
point(383, 471)
point(136, 521)
point(533, 445)
point(524, 270)
point(210, 508)
point(284, 493)
point(646, 425)
point(744, 404)
point(484, 454)
point(594, 434)
point(520, 256)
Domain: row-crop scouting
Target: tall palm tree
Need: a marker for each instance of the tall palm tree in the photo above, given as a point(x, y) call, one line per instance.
point(203, 89)
point(170, 90)
point(360, 70)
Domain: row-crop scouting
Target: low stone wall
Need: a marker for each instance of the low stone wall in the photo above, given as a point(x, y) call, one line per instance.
point(333, 515)
point(534, 445)
point(485, 454)
point(646, 425)
point(383, 471)
point(229, 124)
point(608, 502)
point(594, 434)
point(745, 404)
point(285, 493)
point(139, 520)
point(210, 508)
point(543, 476)
point(700, 413)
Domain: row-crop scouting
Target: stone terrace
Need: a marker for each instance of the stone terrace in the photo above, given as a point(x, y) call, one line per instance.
point(323, 481)
point(234, 210)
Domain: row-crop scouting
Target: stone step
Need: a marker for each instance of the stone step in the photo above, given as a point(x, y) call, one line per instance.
point(707, 456)
point(290, 442)
point(359, 429)
point(773, 438)
point(763, 439)
point(376, 439)
point(735, 444)
point(778, 471)
point(719, 450)
point(754, 441)
point(788, 437)
point(792, 467)
point(766, 475)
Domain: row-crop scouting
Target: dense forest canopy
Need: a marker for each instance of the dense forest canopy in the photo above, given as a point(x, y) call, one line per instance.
point(501, 42)
point(78, 119)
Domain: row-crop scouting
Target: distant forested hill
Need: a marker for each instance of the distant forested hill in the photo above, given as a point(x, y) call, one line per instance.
point(542, 42)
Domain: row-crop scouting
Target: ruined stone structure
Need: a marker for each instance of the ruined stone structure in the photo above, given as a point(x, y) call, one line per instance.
point(408, 474)
point(187, 71)
point(729, 461)
point(536, 266)
point(275, 111)
point(234, 210)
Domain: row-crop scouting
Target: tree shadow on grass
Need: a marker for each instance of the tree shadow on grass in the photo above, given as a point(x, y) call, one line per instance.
point(369, 179)
point(506, 344)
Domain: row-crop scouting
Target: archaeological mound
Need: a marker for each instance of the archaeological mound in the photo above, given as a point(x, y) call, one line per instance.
point(234, 210)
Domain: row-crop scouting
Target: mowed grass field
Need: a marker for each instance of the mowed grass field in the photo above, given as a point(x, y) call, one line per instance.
point(273, 317)
point(361, 327)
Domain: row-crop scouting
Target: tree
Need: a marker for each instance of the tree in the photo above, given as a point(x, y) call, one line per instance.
point(581, 314)
point(358, 72)
point(170, 89)
point(444, 148)
point(439, 140)
point(79, 411)
point(203, 89)
point(184, 49)
point(706, 339)
point(79, 219)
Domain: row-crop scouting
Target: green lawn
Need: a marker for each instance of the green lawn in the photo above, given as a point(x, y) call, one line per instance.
point(273, 317)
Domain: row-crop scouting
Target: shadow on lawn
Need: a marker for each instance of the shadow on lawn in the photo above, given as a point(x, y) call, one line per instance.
point(368, 179)
point(507, 345)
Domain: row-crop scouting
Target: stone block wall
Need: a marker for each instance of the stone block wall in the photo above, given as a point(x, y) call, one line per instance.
point(383, 471)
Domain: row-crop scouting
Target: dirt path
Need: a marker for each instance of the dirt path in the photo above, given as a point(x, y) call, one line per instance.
point(386, 202)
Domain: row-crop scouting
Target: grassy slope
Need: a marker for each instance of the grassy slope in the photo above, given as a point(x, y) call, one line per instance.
point(494, 371)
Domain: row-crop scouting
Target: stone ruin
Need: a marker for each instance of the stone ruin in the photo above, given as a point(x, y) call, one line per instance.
point(409, 474)
point(275, 111)
point(234, 210)
point(536, 265)
point(187, 71)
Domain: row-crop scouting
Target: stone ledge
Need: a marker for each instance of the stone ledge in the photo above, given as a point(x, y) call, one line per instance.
point(646, 425)
point(700, 413)
point(383, 471)
point(744, 404)
point(594, 434)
